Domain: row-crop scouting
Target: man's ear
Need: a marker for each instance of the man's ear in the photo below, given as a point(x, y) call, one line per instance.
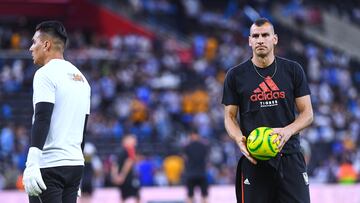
point(47, 45)
point(276, 39)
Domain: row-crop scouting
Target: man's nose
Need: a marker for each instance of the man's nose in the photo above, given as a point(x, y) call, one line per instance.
point(260, 39)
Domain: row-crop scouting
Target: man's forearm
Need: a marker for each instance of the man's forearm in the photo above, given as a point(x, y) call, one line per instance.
point(303, 120)
point(232, 128)
point(41, 125)
point(127, 167)
point(114, 170)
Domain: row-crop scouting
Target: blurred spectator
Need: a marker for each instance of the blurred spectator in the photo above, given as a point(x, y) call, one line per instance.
point(196, 158)
point(173, 167)
point(92, 171)
point(7, 140)
point(146, 170)
point(122, 172)
point(347, 173)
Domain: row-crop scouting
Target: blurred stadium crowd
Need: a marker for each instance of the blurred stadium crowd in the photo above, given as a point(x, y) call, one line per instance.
point(157, 90)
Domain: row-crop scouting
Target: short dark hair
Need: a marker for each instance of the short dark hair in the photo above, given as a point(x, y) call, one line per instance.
point(54, 28)
point(261, 21)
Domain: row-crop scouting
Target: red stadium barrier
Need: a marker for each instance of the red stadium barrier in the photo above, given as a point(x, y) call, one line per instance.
point(76, 14)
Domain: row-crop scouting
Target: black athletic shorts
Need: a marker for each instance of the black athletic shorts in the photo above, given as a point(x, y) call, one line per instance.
point(130, 189)
point(283, 182)
point(201, 182)
point(62, 184)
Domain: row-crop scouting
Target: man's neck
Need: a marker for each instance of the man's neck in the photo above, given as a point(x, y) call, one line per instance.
point(54, 56)
point(263, 62)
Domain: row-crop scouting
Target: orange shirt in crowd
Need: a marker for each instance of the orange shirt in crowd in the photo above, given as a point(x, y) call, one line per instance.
point(347, 174)
point(196, 102)
point(173, 168)
point(139, 111)
point(211, 48)
point(15, 41)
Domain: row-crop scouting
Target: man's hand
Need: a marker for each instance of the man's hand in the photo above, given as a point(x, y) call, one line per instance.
point(284, 134)
point(241, 142)
point(32, 179)
point(118, 179)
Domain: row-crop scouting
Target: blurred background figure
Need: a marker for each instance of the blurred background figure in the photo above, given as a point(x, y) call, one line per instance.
point(122, 172)
point(173, 168)
point(347, 173)
point(145, 170)
point(196, 158)
point(92, 172)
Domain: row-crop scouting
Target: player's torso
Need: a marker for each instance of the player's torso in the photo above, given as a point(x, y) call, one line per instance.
point(266, 95)
point(72, 103)
point(72, 86)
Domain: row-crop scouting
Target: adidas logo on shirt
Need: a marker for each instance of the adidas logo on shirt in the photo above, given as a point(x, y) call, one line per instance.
point(246, 182)
point(267, 93)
